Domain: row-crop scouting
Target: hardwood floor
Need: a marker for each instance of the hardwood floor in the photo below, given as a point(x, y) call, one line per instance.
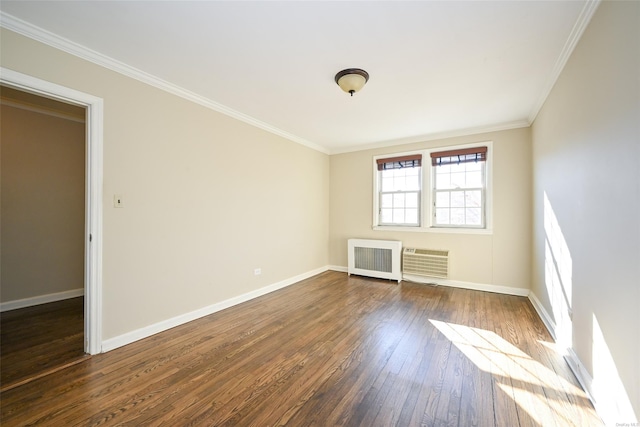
point(36, 340)
point(328, 351)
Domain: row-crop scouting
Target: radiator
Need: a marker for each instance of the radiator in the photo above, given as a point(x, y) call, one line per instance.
point(426, 262)
point(375, 258)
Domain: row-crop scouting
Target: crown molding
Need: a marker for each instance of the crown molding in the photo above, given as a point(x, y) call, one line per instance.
point(36, 33)
point(576, 33)
point(434, 136)
point(31, 31)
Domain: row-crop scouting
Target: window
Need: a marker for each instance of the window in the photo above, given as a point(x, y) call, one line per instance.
point(459, 187)
point(456, 196)
point(400, 182)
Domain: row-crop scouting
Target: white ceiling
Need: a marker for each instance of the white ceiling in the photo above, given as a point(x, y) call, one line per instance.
point(437, 67)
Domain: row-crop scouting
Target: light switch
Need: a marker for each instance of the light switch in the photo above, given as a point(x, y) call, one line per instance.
point(118, 202)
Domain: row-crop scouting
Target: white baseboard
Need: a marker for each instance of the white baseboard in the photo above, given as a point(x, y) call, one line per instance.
point(543, 314)
point(41, 299)
point(147, 331)
point(521, 292)
point(454, 283)
point(580, 372)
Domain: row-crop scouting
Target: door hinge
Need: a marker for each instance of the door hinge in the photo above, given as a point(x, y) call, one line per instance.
point(90, 237)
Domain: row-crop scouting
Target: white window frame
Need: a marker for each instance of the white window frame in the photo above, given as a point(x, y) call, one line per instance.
point(420, 191)
point(427, 193)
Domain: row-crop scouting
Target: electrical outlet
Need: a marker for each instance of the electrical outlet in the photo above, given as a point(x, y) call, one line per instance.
point(118, 201)
point(257, 271)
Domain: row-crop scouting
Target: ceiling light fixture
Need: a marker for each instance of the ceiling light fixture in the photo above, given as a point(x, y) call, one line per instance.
point(352, 80)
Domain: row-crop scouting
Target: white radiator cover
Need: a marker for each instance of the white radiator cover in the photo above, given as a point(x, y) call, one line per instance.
point(375, 258)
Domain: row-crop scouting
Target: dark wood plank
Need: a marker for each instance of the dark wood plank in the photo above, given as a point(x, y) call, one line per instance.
point(331, 350)
point(40, 339)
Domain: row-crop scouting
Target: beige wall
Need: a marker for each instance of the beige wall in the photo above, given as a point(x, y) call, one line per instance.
point(42, 204)
point(586, 146)
point(207, 198)
point(501, 258)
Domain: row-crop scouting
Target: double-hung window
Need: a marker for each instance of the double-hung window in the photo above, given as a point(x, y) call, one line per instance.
point(400, 184)
point(459, 187)
point(434, 190)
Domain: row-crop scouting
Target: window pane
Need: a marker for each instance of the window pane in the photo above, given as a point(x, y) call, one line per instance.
point(457, 216)
point(398, 201)
point(386, 216)
point(443, 181)
point(473, 198)
point(474, 179)
point(398, 216)
point(443, 169)
point(442, 216)
point(473, 166)
point(386, 201)
point(458, 167)
point(457, 199)
point(411, 200)
point(399, 183)
point(387, 182)
point(442, 199)
point(411, 216)
point(413, 183)
point(458, 180)
point(412, 171)
point(473, 216)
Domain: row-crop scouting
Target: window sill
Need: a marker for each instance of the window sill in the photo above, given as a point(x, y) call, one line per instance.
point(440, 230)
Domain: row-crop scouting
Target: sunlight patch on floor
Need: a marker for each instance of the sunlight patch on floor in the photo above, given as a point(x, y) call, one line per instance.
point(536, 389)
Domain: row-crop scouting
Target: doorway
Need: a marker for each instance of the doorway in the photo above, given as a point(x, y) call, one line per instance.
point(43, 222)
point(92, 235)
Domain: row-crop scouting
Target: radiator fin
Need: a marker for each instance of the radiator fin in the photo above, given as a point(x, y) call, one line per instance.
point(426, 262)
point(375, 259)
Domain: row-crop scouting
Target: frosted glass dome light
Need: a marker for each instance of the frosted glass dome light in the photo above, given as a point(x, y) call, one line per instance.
point(352, 80)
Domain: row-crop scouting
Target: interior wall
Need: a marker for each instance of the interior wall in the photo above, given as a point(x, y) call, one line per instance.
point(207, 198)
point(42, 208)
point(501, 258)
point(586, 259)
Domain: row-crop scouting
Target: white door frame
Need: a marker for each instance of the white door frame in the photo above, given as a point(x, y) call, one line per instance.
point(93, 193)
